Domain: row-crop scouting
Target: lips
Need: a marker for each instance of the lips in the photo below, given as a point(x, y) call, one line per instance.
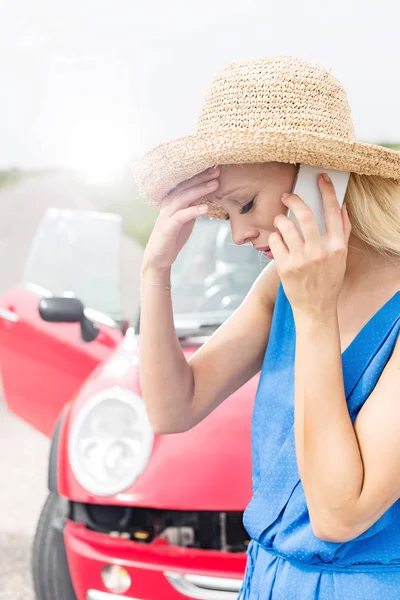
point(266, 251)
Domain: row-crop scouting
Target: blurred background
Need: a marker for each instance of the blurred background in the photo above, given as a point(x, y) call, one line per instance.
point(88, 86)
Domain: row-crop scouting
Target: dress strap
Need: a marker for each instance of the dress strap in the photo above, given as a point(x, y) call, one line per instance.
point(372, 348)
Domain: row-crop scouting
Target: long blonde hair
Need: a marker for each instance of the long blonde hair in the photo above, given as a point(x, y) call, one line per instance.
point(373, 205)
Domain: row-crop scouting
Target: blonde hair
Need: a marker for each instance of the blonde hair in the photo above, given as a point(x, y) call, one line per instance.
point(373, 205)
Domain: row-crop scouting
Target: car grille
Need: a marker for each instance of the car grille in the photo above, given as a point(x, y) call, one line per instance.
point(208, 530)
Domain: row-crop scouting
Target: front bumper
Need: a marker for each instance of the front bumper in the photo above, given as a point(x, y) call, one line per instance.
point(191, 586)
point(157, 570)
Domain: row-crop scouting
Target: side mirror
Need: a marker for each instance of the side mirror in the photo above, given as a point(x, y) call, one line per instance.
point(68, 310)
point(61, 310)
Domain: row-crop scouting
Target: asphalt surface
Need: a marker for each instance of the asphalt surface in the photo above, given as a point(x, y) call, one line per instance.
point(23, 476)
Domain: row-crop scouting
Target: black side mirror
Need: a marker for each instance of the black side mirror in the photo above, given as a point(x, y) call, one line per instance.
point(61, 310)
point(68, 310)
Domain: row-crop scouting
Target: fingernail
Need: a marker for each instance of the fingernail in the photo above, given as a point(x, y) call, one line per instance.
point(203, 208)
point(285, 196)
point(326, 177)
point(212, 183)
point(212, 169)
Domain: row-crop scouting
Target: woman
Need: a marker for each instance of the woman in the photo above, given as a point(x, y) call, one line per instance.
point(322, 322)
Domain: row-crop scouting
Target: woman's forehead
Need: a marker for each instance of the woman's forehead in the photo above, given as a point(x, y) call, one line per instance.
point(230, 192)
point(235, 182)
point(237, 176)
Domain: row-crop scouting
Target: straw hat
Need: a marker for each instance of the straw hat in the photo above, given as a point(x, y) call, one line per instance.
point(276, 108)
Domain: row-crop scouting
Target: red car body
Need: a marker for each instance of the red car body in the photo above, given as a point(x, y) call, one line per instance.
point(49, 374)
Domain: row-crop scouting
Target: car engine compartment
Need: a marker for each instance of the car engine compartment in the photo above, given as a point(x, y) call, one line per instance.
point(206, 530)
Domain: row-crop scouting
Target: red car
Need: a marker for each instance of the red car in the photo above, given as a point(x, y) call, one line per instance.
point(130, 514)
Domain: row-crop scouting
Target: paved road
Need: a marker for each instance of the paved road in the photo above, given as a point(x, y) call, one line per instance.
point(23, 473)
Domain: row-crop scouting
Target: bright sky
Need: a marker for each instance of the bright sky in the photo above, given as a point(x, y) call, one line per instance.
point(92, 83)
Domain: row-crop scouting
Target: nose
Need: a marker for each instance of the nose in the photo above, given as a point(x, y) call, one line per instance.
point(242, 235)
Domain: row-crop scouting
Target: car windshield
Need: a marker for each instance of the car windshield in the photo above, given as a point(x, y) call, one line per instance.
point(78, 252)
point(212, 276)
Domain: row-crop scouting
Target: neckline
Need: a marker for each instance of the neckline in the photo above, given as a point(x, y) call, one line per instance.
point(369, 323)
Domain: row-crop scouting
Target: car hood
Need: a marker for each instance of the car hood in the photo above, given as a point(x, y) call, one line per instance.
point(205, 468)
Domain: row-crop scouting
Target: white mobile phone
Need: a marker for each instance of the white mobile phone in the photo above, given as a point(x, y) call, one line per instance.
point(306, 186)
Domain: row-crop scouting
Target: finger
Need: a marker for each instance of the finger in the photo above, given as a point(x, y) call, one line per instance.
point(346, 224)
point(304, 216)
point(190, 196)
point(278, 248)
point(193, 181)
point(187, 214)
point(332, 213)
point(289, 233)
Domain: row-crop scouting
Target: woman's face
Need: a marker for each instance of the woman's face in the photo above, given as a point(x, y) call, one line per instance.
point(251, 197)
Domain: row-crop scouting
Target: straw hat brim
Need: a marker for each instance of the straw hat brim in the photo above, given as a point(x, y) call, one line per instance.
point(167, 165)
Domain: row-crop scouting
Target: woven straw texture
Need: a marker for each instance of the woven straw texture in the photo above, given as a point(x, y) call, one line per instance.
point(277, 108)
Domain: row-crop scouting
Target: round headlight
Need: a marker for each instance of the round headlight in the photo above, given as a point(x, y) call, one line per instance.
point(110, 441)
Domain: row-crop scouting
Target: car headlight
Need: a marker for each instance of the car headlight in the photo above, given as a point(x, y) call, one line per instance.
point(110, 441)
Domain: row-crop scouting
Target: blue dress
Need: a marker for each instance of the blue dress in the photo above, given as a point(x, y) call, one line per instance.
point(285, 561)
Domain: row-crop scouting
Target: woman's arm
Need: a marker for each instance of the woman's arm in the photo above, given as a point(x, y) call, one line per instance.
point(327, 449)
point(350, 474)
point(178, 393)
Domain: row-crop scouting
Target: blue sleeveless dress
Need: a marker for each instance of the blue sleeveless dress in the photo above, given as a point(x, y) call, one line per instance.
point(285, 561)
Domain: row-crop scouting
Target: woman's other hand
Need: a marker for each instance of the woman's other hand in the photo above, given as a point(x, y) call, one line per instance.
point(312, 270)
point(178, 213)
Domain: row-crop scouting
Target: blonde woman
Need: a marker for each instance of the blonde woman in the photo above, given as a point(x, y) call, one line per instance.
point(321, 322)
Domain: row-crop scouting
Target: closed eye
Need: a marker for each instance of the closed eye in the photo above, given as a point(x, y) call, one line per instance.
point(247, 207)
